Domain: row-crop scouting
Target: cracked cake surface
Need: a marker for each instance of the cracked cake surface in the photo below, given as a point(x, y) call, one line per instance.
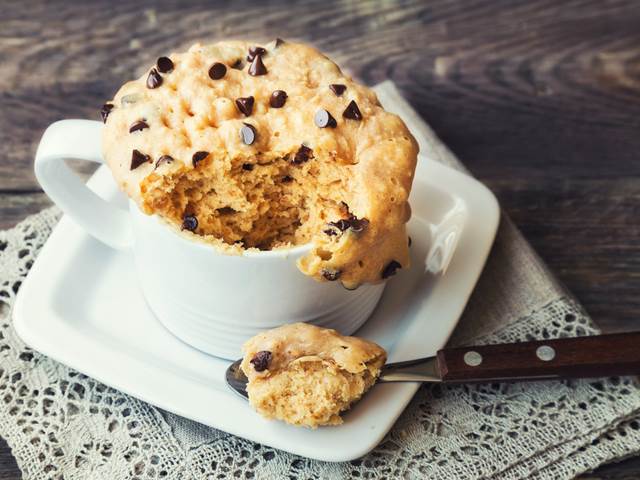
point(307, 375)
point(267, 147)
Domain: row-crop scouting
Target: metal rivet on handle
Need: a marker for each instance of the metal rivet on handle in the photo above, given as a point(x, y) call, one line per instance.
point(545, 353)
point(473, 359)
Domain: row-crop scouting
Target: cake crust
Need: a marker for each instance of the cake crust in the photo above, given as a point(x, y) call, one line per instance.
point(210, 135)
point(307, 375)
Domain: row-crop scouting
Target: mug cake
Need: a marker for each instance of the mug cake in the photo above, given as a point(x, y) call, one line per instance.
point(308, 376)
point(266, 147)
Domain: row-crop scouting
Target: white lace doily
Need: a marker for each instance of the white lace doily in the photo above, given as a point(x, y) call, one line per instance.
point(62, 424)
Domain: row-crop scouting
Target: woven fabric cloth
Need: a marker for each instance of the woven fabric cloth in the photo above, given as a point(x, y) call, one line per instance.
point(63, 424)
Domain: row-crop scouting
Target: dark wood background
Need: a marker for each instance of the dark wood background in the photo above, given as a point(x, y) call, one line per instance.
point(540, 99)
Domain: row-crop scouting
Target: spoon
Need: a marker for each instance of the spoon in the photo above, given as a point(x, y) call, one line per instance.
point(582, 357)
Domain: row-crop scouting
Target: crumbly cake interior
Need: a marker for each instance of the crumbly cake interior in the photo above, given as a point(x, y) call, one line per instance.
point(254, 201)
point(307, 375)
point(310, 392)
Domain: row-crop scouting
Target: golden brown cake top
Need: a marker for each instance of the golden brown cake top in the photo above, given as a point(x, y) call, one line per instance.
point(267, 147)
point(274, 350)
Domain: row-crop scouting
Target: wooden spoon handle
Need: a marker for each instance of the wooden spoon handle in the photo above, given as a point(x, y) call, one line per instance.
point(583, 357)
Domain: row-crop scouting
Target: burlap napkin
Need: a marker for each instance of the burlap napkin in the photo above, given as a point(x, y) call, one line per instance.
point(62, 424)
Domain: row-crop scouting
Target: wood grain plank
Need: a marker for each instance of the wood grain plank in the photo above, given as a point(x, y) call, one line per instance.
point(8, 468)
point(541, 100)
point(495, 80)
point(14, 207)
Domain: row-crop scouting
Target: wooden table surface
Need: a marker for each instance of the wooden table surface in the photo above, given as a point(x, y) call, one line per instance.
point(540, 99)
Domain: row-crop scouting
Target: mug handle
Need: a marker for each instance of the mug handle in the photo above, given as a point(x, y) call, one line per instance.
point(80, 140)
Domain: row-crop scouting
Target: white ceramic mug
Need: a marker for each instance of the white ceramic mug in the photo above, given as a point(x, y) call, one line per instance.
point(210, 300)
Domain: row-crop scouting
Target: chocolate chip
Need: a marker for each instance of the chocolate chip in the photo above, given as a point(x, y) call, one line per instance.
point(257, 67)
point(225, 210)
point(189, 222)
point(198, 157)
point(323, 119)
point(303, 154)
point(338, 88)
point(278, 43)
point(331, 275)
point(409, 242)
point(105, 111)
point(237, 65)
point(245, 105)
point(217, 71)
point(357, 225)
point(261, 360)
point(164, 159)
point(165, 65)
point(390, 269)
point(248, 166)
point(287, 179)
point(342, 224)
point(352, 111)
point(138, 158)
point(255, 51)
point(278, 99)
point(137, 126)
point(248, 134)
point(154, 80)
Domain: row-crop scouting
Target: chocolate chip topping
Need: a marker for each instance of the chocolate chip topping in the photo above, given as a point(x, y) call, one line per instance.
point(409, 241)
point(237, 65)
point(261, 360)
point(154, 80)
point(138, 158)
point(331, 275)
point(248, 166)
point(248, 134)
point(391, 269)
point(138, 125)
point(323, 119)
point(342, 224)
point(257, 67)
point(189, 222)
point(164, 159)
point(357, 225)
point(245, 105)
point(105, 111)
point(278, 43)
point(198, 157)
point(165, 65)
point(217, 71)
point(303, 154)
point(287, 179)
point(225, 210)
point(352, 111)
point(255, 51)
point(278, 99)
point(338, 88)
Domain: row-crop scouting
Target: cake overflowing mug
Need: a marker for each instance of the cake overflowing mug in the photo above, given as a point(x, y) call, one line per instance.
point(211, 301)
point(265, 187)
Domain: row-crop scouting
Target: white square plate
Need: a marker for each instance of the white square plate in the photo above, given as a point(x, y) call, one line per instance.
point(81, 305)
